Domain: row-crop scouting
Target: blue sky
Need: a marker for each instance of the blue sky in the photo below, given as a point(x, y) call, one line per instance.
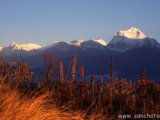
point(46, 21)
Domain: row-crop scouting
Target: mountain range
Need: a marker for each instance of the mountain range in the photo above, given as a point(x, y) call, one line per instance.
point(131, 49)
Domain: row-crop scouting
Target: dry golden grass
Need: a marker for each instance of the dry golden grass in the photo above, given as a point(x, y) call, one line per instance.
point(12, 107)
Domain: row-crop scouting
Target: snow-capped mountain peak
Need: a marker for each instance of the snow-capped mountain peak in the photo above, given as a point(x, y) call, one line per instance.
point(25, 47)
point(101, 41)
point(132, 33)
point(80, 42)
point(87, 44)
point(77, 42)
point(131, 38)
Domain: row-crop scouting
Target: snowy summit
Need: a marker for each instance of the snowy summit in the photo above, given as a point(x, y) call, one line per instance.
point(25, 47)
point(80, 42)
point(132, 33)
point(77, 42)
point(125, 40)
point(15, 48)
point(101, 41)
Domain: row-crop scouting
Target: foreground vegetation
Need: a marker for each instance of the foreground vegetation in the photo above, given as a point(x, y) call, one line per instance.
point(67, 95)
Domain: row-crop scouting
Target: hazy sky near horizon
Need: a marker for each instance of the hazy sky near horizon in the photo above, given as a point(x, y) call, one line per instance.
point(47, 21)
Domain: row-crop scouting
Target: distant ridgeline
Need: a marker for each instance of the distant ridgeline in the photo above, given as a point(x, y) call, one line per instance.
point(131, 49)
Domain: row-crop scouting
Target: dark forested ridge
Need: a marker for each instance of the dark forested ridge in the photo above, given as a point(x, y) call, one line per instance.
point(127, 64)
